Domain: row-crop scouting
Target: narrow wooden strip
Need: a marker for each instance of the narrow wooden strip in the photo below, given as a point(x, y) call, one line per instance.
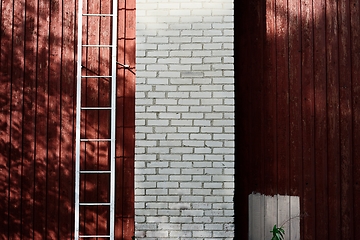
point(282, 96)
point(320, 93)
point(67, 148)
point(16, 127)
point(355, 75)
point(308, 116)
point(54, 119)
point(255, 219)
point(41, 121)
point(346, 142)
point(295, 106)
point(119, 197)
point(271, 210)
point(29, 103)
point(254, 101)
point(129, 121)
point(6, 59)
point(333, 150)
point(120, 137)
point(269, 102)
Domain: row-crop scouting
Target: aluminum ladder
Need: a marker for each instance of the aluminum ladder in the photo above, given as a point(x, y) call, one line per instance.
point(82, 14)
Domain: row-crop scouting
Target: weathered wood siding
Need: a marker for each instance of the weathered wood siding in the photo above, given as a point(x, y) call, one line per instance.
point(37, 119)
point(298, 110)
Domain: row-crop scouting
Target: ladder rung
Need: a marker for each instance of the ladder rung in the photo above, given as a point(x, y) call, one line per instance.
point(97, 45)
point(98, 14)
point(93, 172)
point(94, 204)
point(94, 236)
point(95, 108)
point(96, 76)
point(94, 140)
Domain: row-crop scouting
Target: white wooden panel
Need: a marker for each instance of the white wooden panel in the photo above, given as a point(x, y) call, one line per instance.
point(284, 214)
point(256, 216)
point(295, 221)
point(266, 211)
point(270, 216)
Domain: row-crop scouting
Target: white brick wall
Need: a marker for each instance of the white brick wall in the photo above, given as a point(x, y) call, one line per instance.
point(185, 120)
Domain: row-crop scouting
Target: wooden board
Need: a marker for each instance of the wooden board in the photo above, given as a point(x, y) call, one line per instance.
point(37, 119)
point(309, 106)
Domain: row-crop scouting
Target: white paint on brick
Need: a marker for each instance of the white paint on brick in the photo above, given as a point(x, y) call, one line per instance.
point(184, 176)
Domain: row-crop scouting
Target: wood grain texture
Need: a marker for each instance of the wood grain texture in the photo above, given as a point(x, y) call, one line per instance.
point(308, 138)
point(37, 119)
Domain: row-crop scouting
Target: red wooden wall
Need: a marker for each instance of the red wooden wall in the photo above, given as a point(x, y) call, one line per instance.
point(37, 119)
point(298, 110)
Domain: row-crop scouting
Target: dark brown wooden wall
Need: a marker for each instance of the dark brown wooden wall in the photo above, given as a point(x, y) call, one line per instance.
point(298, 110)
point(37, 119)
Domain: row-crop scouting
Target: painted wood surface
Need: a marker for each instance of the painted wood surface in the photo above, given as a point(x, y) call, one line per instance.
point(37, 119)
point(297, 110)
point(267, 211)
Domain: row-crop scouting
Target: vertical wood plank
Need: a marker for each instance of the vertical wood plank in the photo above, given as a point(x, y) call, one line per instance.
point(294, 223)
point(53, 155)
point(16, 150)
point(129, 119)
point(41, 121)
point(6, 59)
point(295, 98)
point(283, 214)
point(269, 125)
point(5, 83)
point(308, 116)
point(320, 147)
point(271, 218)
point(67, 95)
point(282, 96)
point(345, 84)
point(262, 226)
point(333, 118)
point(256, 216)
point(355, 71)
point(253, 93)
point(295, 118)
point(28, 133)
point(120, 115)
point(250, 218)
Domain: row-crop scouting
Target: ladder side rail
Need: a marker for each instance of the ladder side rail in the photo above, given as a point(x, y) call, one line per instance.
point(78, 122)
point(113, 117)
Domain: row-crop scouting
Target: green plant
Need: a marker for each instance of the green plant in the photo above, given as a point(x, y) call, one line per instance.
point(278, 233)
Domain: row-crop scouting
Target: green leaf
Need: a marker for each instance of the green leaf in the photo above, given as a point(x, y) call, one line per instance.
point(278, 233)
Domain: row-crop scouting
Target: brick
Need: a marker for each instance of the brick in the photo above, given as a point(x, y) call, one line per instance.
point(182, 234)
point(184, 119)
point(180, 219)
point(202, 234)
point(180, 191)
point(193, 226)
point(181, 150)
point(202, 192)
point(157, 234)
